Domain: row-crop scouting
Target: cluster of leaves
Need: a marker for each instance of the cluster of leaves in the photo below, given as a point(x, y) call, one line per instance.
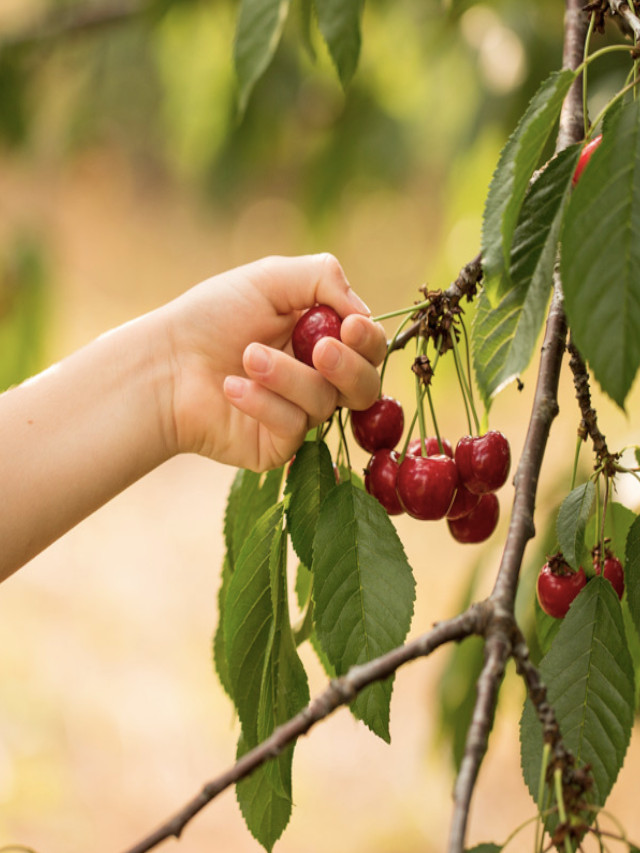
point(355, 590)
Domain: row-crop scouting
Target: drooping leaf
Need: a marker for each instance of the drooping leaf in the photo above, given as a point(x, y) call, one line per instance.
point(600, 263)
point(267, 677)
point(308, 482)
point(219, 649)
point(632, 572)
point(518, 160)
point(572, 522)
point(484, 848)
point(258, 32)
point(339, 23)
point(507, 325)
point(363, 592)
point(250, 495)
point(590, 685)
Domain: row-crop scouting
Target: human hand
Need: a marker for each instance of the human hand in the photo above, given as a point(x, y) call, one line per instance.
point(238, 395)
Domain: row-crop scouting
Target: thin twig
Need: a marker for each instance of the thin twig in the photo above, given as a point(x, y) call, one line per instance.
point(341, 691)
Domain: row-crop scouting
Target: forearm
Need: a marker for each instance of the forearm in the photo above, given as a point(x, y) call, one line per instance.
point(74, 436)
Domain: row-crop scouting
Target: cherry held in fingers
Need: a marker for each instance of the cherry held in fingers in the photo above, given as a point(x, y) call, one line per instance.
point(483, 461)
point(426, 486)
point(318, 322)
point(379, 426)
point(557, 586)
point(380, 479)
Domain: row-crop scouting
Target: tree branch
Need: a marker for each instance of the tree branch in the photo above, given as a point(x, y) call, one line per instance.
point(499, 646)
point(341, 691)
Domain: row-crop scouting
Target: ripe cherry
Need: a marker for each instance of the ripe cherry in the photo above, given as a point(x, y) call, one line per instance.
point(318, 322)
point(483, 461)
point(479, 524)
point(380, 425)
point(463, 503)
point(585, 156)
point(426, 485)
point(431, 447)
point(380, 478)
point(613, 572)
point(558, 585)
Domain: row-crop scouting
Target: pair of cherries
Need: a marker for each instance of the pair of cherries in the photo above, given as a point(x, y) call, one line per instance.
point(558, 584)
point(432, 481)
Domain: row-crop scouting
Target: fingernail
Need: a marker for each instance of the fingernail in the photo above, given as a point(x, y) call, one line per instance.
point(357, 303)
point(258, 358)
point(234, 387)
point(331, 355)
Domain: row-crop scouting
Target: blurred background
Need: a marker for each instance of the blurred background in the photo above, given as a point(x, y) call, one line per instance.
point(126, 175)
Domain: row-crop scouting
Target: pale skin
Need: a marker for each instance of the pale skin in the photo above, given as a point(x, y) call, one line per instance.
point(210, 373)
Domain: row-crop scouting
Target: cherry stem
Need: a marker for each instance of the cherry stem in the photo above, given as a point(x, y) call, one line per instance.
point(435, 422)
point(411, 309)
point(605, 505)
point(613, 100)
point(421, 350)
point(562, 814)
point(343, 442)
point(390, 346)
point(466, 390)
point(584, 73)
point(546, 752)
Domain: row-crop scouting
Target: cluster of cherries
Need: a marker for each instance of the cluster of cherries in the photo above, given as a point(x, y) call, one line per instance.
point(428, 481)
point(558, 584)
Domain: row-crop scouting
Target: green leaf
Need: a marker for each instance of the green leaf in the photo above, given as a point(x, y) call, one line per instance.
point(310, 479)
point(339, 22)
point(616, 527)
point(363, 592)
point(249, 497)
point(600, 262)
point(219, 648)
point(268, 680)
point(572, 522)
point(258, 32)
point(506, 326)
point(516, 165)
point(484, 848)
point(590, 685)
point(632, 572)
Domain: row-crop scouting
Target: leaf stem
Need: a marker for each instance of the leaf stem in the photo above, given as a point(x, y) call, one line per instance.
point(584, 73)
point(343, 441)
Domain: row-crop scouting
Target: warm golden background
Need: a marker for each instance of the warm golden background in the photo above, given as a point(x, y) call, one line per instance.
point(126, 180)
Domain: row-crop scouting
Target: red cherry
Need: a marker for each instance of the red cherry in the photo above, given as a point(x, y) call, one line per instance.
point(483, 461)
point(431, 447)
point(479, 524)
point(557, 587)
point(463, 503)
point(380, 479)
point(426, 485)
point(378, 426)
point(613, 572)
point(585, 156)
point(318, 322)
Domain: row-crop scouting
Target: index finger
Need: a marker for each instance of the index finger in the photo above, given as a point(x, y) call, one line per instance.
point(296, 283)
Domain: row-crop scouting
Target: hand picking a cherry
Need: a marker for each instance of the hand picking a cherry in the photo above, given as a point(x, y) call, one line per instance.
point(321, 321)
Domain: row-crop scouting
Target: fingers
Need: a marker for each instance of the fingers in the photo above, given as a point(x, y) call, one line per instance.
point(363, 336)
point(294, 284)
point(280, 417)
point(355, 378)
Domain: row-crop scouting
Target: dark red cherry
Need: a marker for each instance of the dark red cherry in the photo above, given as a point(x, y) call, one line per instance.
point(479, 524)
point(380, 479)
point(380, 425)
point(557, 586)
point(483, 461)
point(318, 322)
point(463, 503)
point(613, 572)
point(426, 485)
point(431, 447)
